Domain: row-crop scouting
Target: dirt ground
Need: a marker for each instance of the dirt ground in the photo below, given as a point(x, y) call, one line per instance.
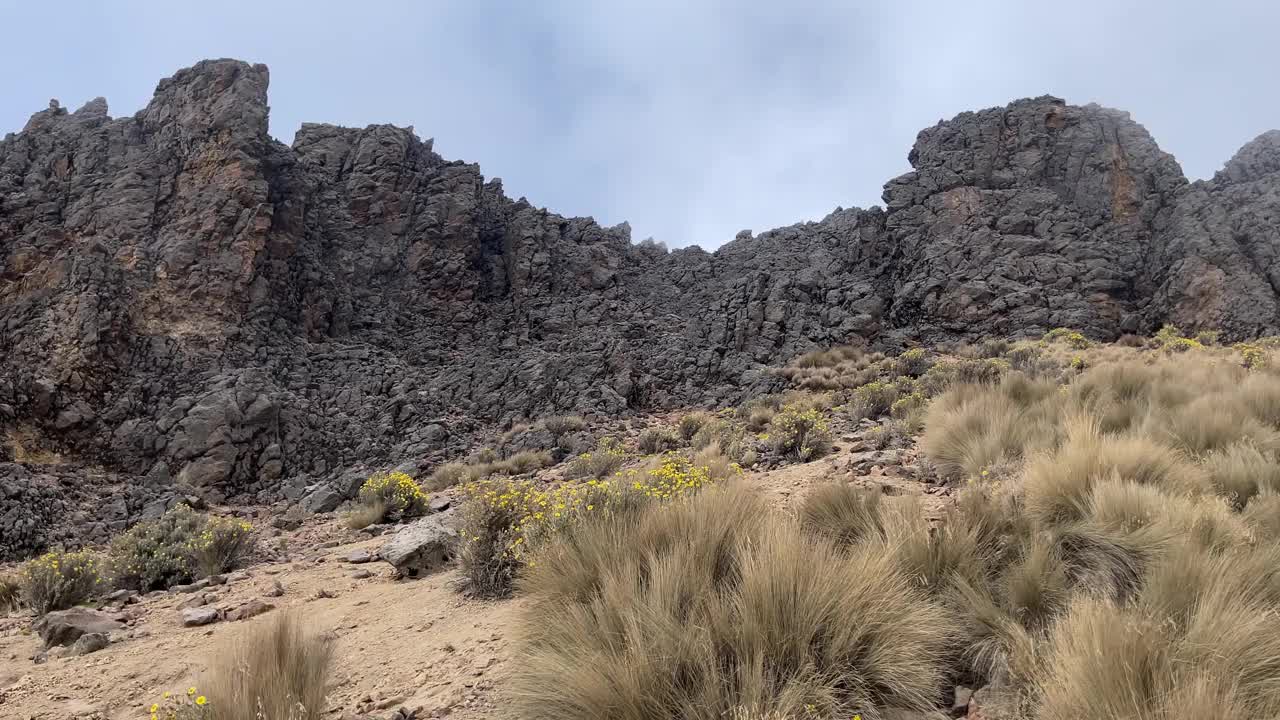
point(412, 644)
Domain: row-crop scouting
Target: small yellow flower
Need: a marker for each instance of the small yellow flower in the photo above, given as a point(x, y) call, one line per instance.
point(166, 695)
point(154, 707)
point(201, 700)
point(191, 691)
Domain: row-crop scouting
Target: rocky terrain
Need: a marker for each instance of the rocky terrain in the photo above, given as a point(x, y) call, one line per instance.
point(189, 307)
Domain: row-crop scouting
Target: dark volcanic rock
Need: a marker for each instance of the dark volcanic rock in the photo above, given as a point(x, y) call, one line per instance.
point(199, 309)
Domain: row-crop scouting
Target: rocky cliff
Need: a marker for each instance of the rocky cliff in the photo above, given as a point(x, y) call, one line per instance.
point(185, 302)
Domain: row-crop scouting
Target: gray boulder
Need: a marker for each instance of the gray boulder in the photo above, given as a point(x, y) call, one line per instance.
point(421, 547)
point(64, 627)
point(197, 616)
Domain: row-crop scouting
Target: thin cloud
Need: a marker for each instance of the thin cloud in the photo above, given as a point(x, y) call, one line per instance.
point(690, 120)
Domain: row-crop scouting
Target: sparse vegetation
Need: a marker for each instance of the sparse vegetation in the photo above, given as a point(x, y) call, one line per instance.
point(486, 464)
point(10, 593)
point(277, 672)
point(563, 424)
point(26, 446)
point(505, 521)
point(657, 440)
point(800, 434)
point(690, 424)
point(602, 462)
point(1072, 338)
point(58, 580)
point(397, 494)
point(177, 548)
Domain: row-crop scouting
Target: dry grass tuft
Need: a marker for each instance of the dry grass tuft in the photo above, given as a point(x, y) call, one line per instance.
point(712, 607)
point(279, 671)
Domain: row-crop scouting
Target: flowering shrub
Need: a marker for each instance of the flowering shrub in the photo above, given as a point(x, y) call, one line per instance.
point(1171, 340)
point(608, 456)
point(800, 434)
point(875, 398)
point(59, 580)
point(1251, 356)
point(183, 706)
point(223, 545)
point(504, 521)
point(1073, 338)
point(177, 547)
point(397, 493)
point(912, 363)
point(907, 405)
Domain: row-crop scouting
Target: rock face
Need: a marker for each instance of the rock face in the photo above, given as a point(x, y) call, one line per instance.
point(194, 307)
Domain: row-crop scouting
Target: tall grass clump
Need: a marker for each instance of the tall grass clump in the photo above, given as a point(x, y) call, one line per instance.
point(277, 671)
point(712, 607)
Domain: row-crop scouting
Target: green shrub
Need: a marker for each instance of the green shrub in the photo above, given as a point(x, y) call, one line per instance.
point(912, 363)
point(800, 435)
point(907, 405)
point(1207, 337)
point(223, 545)
point(605, 460)
point(1252, 356)
point(488, 553)
point(1072, 338)
point(946, 373)
point(396, 492)
point(656, 440)
point(874, 399)
point(992, 348)
point(58, 580)
point(158, 554)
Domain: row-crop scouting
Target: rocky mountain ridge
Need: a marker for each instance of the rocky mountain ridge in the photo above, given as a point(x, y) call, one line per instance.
point(187, 303)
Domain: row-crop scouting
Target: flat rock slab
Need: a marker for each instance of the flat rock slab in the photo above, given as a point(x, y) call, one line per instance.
point(64, 627)
point(361, 556)
point(420, 548)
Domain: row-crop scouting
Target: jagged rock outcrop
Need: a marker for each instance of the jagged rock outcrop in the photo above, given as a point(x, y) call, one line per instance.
point(190, 306)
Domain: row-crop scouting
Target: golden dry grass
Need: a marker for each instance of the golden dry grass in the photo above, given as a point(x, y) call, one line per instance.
point(715, 607)
point(276, 669)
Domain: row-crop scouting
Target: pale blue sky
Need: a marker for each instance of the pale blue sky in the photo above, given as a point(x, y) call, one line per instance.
point(692, 120)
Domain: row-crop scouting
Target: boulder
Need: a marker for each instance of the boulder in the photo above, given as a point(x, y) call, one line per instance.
point(321, 498)
point(421, 547)
point(89, 643)
point(197, 616)
point(64, 627)
point(253, 608)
